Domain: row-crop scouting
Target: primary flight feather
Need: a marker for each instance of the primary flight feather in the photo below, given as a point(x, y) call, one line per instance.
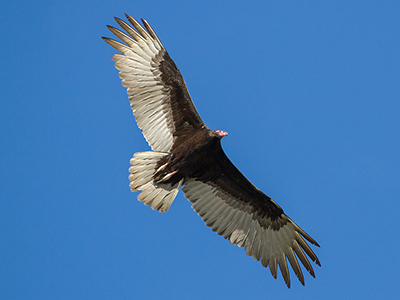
point(187, 153)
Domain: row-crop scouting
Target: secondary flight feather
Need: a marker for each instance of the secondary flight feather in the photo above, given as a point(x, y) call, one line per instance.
point(186, 153)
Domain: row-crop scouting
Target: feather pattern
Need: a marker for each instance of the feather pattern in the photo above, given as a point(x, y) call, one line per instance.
point(270, 245)
point(154, 85)
point(187, 153)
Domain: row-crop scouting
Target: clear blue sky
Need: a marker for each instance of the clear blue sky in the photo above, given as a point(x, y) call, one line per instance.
point(310, 96)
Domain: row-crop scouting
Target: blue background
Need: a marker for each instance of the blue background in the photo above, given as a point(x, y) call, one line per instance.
point(309, 93)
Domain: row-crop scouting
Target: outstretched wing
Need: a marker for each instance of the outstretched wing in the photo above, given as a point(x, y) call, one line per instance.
point(234, 208)
point(157, 92)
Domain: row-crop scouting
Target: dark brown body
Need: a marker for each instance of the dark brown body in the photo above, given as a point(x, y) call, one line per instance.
point(191, 158)
point(201, 157)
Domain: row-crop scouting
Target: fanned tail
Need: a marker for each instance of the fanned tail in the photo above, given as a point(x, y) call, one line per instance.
point(159, 196)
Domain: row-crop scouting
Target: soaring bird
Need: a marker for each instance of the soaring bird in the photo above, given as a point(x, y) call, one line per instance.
point(186, 153)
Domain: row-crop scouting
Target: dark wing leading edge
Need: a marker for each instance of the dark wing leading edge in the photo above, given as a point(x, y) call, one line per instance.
point(234, 208)
point(157, 92)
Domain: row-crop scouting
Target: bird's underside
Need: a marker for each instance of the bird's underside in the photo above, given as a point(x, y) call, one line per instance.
point(186, 153)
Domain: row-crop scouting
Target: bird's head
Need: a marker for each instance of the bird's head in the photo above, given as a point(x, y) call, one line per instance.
point(220, 133)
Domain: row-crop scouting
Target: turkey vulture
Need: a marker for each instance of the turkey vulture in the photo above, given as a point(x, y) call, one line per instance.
point(187, 153)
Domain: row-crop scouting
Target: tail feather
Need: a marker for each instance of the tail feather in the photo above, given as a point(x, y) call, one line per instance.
point(159, 196)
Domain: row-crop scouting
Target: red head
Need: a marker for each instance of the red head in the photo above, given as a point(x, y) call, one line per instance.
point(221, 133)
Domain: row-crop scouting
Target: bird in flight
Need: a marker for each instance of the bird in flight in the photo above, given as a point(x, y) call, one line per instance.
point(186, 153)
